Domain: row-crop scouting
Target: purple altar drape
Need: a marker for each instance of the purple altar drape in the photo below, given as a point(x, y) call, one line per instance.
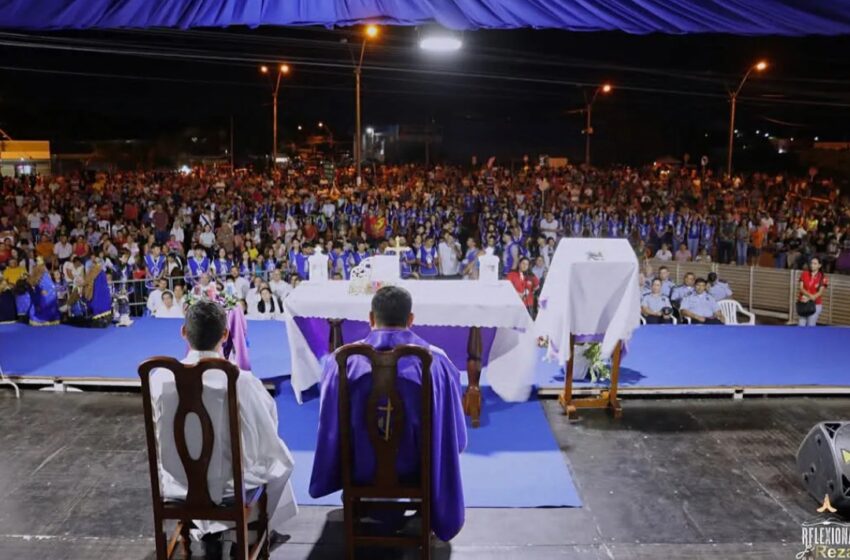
point(452, 340)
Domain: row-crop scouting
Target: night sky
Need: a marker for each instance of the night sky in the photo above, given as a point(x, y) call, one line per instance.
point(506, 93)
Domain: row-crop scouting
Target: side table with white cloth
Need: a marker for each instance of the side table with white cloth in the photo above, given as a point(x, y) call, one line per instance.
point(591, 294)
point(454, 307)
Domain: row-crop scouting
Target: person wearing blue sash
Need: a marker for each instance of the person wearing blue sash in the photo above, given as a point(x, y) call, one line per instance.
point(221, 265)
point(403, 219)
point(338, 261)
point(643, 231)
point(428, 259)
point(694, 231)
point(199, 264)
point(578, 226)
point(470, 266)
point(511, 255)
point(44, 310)
point(245, 267)
point(298, 260)
point(124, 274)
point(707, 236)
point(679, 232)
point(407, 259)
point(155, 265)
point(362, 252)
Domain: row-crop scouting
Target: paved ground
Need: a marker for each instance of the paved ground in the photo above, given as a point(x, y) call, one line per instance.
point(672, 479)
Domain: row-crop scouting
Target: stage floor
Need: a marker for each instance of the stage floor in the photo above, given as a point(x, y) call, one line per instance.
point(660, 359)
point(673, 479)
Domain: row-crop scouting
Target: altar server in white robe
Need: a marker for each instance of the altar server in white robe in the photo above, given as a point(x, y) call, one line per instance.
point(265, 457)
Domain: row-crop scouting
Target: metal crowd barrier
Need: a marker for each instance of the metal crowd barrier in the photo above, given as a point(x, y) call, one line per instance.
point(769, 292)
point(140, 290)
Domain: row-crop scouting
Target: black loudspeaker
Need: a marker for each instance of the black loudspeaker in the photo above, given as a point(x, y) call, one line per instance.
point(823, 462)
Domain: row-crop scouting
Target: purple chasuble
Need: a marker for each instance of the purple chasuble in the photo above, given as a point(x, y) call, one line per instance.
point(448, 438)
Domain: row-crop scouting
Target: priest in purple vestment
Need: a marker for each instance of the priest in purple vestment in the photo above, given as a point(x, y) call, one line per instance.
point(390, 320)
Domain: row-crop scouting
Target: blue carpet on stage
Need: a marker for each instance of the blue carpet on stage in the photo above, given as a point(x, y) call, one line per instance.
point(658, 356)
point(514, 443)
point(113, 352)
point(719, 356)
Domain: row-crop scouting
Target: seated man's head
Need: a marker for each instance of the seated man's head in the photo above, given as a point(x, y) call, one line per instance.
point(391, 308)
point(167, 299)
point(700, 285)
point(656, 286)
point(205, 327)
point(663, 273)
point(689, 279)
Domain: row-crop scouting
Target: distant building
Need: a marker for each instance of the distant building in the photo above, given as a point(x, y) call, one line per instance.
point(24, 157)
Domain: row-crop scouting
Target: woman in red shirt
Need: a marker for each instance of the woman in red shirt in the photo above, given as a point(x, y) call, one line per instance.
point(813, 282)
point(525, 283)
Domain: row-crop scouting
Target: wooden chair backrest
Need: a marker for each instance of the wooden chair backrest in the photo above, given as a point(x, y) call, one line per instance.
point(384, 374)
point(189, 381)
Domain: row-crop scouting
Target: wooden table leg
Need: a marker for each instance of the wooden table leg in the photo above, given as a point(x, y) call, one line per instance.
point(566, 398)
point(607, 398)
point(613, 402)
point(472, 397)
point(335, 336)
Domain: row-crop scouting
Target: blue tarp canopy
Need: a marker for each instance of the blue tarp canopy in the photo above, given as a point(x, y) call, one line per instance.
point(742, 17)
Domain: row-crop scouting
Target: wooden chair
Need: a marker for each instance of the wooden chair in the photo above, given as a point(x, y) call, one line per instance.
point(188, 380)
point(385, 491)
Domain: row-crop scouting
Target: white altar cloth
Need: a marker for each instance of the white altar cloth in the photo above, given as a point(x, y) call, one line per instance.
point(591, 291)
point(449, 303)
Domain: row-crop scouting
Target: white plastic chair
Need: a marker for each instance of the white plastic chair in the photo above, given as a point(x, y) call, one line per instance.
point(730, 309)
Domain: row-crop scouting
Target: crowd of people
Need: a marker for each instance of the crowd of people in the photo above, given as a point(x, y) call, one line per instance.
point(159, 237)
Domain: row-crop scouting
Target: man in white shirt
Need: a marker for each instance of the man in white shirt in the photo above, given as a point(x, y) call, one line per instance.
point(549, 226)
point(265, 458)
point(63, 249)
point(168, 309)
point(155, 297)
point(279, 287)
point(236, 284)
point(664, 253)
point(252, 298)
point(449, 253)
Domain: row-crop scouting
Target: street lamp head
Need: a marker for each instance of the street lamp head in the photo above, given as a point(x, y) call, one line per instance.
point(321, 124)
point(606, 88)
point(761, 65)
point(300, 127)
point(264, 69)
point(371, 31)
point(284, 68)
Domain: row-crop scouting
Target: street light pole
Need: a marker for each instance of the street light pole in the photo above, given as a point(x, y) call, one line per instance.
point(282, 69)
point(588, 109)
point(371, 33)
point(733, 102)
point(588, 130)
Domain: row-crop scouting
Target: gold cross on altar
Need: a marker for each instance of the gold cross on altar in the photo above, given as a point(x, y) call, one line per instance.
point(388, 410)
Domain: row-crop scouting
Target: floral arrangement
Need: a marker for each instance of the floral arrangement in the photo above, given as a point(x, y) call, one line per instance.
point(227, 300)
point(597, 367)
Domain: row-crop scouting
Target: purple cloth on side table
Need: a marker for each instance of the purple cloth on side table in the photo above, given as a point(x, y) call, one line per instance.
point(448, 424)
